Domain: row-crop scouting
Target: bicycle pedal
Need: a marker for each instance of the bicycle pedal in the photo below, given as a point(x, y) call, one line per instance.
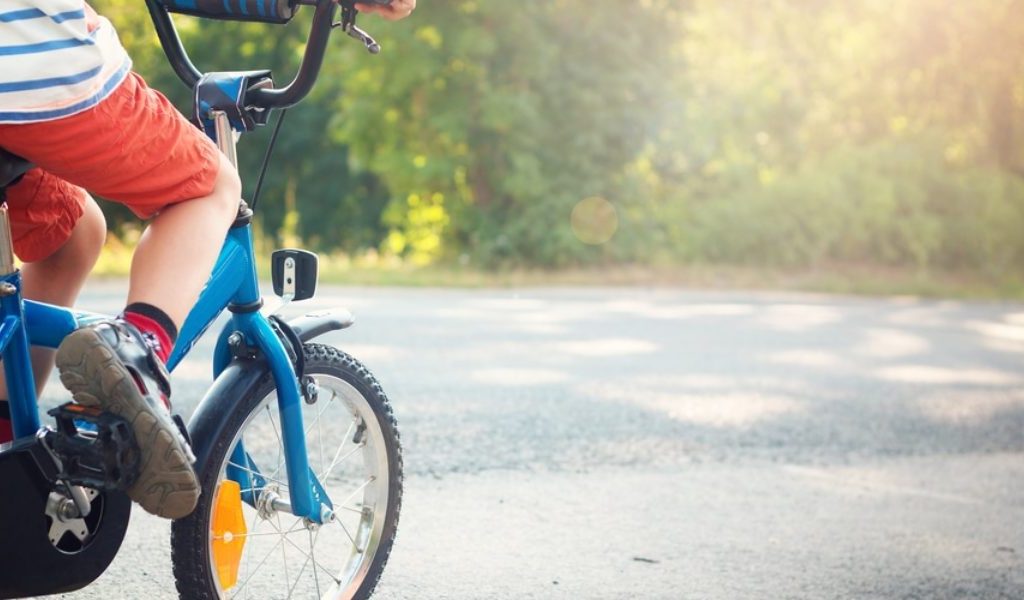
point(96, 449)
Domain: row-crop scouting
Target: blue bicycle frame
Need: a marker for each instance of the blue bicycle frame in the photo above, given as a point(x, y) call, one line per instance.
point(234, 285)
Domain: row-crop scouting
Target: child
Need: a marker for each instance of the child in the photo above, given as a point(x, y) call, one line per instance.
point(70, 104)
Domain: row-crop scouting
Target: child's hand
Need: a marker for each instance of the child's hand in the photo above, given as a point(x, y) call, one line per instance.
point(399, 9)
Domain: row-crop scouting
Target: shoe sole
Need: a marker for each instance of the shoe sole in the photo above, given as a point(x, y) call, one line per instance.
point(92, 372)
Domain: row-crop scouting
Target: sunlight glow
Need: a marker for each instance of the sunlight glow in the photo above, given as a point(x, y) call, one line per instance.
point(924, 374)
point(607, 347)
point(735, 410)
point(708, 400)
point(890, 343)
point(519, 377)
point(799, 317)
point(970, 408)
point(807, 358)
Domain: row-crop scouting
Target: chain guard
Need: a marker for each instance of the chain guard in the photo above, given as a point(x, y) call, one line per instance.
point(32, 564)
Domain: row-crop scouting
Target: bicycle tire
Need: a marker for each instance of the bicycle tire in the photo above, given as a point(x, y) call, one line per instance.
point(191, 538)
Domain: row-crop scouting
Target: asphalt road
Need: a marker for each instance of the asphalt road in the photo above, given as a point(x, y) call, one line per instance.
point(631, 443)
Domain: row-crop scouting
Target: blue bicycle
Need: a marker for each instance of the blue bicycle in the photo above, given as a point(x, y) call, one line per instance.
point(297, 450)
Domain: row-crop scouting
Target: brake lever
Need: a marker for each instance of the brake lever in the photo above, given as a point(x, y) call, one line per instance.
point(371, 44)
point(348, 25)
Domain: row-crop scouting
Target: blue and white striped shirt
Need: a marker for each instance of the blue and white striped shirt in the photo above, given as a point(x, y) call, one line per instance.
point(57, 58)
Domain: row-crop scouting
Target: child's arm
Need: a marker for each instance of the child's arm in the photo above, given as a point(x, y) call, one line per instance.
point(92, 20)
point(399, 9)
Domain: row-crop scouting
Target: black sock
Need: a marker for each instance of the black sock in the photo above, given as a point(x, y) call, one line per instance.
point(161, 318)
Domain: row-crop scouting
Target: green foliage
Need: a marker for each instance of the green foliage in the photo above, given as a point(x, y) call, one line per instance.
point(789, 133)
point(887, 204)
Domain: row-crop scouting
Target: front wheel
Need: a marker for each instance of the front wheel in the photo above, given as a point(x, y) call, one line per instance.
point(241, 543)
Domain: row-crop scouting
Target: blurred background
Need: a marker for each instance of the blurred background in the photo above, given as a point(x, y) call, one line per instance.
point(612, 442)
point(844, 145)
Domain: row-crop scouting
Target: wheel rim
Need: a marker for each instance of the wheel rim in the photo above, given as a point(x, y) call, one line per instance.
point(283, 557)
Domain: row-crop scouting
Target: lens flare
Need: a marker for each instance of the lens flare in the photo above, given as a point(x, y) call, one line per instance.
point(594, 221)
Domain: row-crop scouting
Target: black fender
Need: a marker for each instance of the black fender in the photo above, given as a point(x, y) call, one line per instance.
point(243, 375)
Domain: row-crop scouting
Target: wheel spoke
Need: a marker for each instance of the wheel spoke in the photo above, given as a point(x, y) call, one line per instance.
point(280, 442)
point(348, 433)
point(257, 473)
point(298, 577)
point(309, 557)
point(280, 542)
point(349, 535)
point(248, 555)
point(317, 423)
point(321, 412)
point(357, 490)
point(320, 439)
point(312, 556)
point(251, 535)
point(253, 574)
point(294, 528)
point(337, 462)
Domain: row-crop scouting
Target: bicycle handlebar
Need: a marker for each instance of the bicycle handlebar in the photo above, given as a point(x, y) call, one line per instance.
point(309, 68)
point(171, 44)
point(266, 98)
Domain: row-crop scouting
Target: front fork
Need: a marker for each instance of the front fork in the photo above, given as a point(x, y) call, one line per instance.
point(307, 497)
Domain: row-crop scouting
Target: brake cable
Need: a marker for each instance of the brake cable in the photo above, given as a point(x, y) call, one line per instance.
point(347, 23)
point(266, 159)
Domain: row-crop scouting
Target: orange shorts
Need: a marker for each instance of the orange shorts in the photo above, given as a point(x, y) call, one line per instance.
point(134, 148)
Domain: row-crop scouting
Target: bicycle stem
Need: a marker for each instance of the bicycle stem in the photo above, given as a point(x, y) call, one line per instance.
point(226, 141)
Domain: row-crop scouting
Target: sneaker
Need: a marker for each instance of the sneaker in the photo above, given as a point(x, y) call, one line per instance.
point(111, 366)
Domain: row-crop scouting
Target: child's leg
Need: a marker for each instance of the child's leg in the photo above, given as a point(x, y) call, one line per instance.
point(53, 276)
point(135, 148)
point(177, 252)
point(58, 278)
point(117, 365)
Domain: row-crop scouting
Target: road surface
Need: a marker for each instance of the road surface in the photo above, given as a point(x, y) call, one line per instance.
point(669, 444)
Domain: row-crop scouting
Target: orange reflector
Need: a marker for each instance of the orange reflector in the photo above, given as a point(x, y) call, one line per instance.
point(228, 532)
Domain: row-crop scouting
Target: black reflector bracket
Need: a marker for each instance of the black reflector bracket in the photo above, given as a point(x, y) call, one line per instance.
point(294, 273)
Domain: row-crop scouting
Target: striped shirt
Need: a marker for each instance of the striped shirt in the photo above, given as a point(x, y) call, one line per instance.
point(57, 58)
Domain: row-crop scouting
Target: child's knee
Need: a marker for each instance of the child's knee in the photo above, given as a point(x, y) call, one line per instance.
point(91, 229)
point(87, 238)
point(229, 185)
point(83, 246)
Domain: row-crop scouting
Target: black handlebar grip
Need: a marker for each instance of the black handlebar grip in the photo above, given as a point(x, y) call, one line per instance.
point(268, 11)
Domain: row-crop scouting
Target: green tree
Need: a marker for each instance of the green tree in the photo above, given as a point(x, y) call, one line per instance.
point(788, 133)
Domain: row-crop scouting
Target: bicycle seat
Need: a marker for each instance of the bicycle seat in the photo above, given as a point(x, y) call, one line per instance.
point(12, 167)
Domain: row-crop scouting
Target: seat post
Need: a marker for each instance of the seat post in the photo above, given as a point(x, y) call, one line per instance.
point(6, 245)
point(226, 140)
